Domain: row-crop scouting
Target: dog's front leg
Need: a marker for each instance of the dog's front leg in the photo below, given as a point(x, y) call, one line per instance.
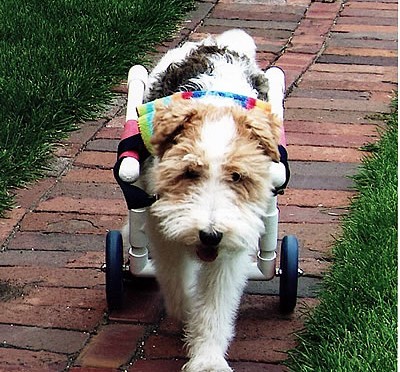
point(210, 325)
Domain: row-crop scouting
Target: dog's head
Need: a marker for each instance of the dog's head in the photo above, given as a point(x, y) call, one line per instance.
point(212, 173)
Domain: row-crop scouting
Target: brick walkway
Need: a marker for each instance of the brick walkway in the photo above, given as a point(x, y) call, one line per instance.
point(340, 60)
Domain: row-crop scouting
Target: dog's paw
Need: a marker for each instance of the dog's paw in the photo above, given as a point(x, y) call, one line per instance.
point(207, 364)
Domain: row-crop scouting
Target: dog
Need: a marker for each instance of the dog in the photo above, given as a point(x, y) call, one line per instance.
point(212, 170)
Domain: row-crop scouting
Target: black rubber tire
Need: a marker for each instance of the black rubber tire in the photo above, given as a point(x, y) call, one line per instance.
point(114, 270)
point(289, 266)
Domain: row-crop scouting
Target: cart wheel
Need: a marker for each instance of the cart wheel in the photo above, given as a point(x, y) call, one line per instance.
point(114, 270)
point(289, 273)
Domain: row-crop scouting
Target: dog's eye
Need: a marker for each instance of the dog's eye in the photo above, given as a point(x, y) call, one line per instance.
point(191, 174)
point(236, 177)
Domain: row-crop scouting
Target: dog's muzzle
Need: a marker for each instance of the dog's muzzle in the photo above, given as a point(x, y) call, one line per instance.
point(208, 249)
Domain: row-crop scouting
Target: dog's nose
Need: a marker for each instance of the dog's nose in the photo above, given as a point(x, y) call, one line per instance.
point(210, 238)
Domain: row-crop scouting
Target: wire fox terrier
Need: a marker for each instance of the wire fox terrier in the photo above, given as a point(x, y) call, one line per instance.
point(215, 142)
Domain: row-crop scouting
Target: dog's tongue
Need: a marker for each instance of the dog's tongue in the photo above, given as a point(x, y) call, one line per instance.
point(207, 253)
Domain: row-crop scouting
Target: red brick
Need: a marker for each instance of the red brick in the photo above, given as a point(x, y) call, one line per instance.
point(267, 307)
point(269, 325)
point(339, 40)
point(333, 154)
point(264, 60)
point(255, 32)
point(259, 11)
point(85, 132)
point(114, 345)
point(323, 10)
point(322, 175)
point(251, 24)
point(336, 116)
point(366, 12)
point(316, 238)
point(115, 107)
point(30, 196)
point(321, 140)
point(331, 94)
point(37, 241)
point(382, 97)
point(111, 133)
point(77, 174)
point(263, 333)
point(58, 166)
point(26, 258)
point(194, 18)
point(86, 260)
point(92, 369)
point(313, 262)
point(260, 350)
point(361, 60)
point(334, 129)
point(84, 190)
point(291, 74)
point(365, 28)
point(357, 59)
point(315, 26)
point(54, 276)
point(68, 150)
point(294, 214)
point(315, 267)
point(83, 206)
point(159, 365)
point(306, 39)
point(120, 88)
point(71, 223)
point(298, 2)
point(388, 21)
point(316, 198)
point(300, 60)
point(357, 5)
point(70, 297)
point(341, 75)
point(260, 6)
point(336, 104)
point(164, 346)
point(365, 85)
point(103, 144)
point(116, 122)
point(34, 338)
point(370, 52)
point(60, 316)
point(35, 361)
point(354, 71)
point(300, 46)
point(96, 159)
point(7, 225)
point(142, 302)
point(170, 325)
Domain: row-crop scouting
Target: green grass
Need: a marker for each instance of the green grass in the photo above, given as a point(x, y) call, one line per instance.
point(58, 60)
point(354, 328)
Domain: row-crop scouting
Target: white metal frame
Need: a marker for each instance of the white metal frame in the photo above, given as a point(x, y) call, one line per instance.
point(139, 262)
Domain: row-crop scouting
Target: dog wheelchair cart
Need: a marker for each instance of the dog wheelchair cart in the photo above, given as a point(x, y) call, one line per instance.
point(139, 264)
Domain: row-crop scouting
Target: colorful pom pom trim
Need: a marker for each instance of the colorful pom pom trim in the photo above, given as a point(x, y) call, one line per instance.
point(146, 111)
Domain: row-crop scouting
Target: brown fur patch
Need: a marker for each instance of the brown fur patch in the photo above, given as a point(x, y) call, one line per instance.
point(264, 127)
point(183, 165)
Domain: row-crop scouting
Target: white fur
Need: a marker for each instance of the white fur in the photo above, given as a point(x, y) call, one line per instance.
point(206, 295)
point(239, 41)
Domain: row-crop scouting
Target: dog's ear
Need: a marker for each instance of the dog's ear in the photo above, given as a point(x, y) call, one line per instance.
point(169, 122)
point(266, 129)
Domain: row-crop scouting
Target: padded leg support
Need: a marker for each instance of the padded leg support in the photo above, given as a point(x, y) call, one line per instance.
point(266, 258)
